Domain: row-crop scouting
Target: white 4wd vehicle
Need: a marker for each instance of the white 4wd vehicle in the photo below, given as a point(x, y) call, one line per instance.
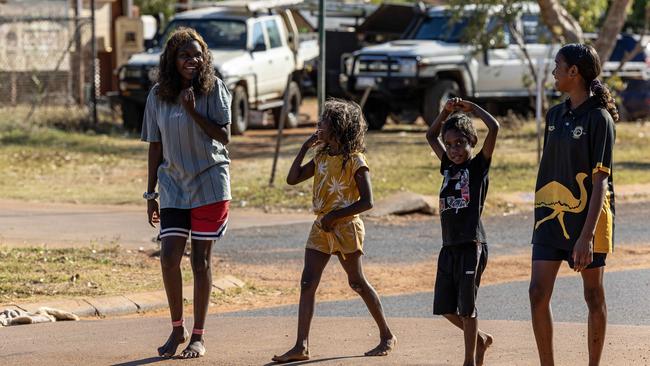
point(414, 76)
point(253, 52)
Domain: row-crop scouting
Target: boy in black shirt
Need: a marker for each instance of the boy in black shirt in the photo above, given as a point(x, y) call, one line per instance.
point(463, 256)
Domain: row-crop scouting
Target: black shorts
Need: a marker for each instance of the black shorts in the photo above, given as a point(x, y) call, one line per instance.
point(546, 253)
point(459, 275)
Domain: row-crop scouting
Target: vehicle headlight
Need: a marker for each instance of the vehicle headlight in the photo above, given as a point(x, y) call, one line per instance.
point(408, 67)
point(132, 72)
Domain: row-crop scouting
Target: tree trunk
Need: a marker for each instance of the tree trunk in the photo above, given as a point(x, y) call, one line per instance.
point(611, 28)
point(563, 26)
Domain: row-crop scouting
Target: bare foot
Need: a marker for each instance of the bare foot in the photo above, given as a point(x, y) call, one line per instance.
point(484, 342)
point(179, 336)
point(195, 349)
point(383, 348)
point(297, 353)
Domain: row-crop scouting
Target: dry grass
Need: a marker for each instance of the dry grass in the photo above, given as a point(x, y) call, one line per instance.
point(46, 163)
point(30, 274)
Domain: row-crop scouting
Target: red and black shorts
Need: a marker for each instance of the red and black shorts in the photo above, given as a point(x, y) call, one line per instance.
point(207, 222)
point(460, 268)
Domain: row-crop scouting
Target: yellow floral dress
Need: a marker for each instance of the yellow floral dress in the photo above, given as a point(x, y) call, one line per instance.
point(335, 188)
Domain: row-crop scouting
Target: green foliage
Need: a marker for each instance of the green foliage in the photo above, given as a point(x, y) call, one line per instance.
point(589, 13)
point(485, 28)
point(637, 18)
point(154, 7)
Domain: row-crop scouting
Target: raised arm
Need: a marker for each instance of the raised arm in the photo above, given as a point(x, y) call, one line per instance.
point(433, 134)
point(298, 172)
point(492, 125)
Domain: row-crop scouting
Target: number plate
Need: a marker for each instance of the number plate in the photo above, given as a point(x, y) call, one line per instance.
point(365, 82)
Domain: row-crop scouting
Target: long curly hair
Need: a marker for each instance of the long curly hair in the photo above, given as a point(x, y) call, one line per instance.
point(586, 59)
point(169, 80)
point(348, 126)
point(463, 124)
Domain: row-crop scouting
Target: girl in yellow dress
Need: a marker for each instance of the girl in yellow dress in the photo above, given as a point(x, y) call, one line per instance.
point(342, 190)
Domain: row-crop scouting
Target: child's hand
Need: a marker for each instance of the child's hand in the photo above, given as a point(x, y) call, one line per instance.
point(464, 106)
point(187, 99)
point(451, 105)
point(153, 212)
point(327, 222)
point(312, 140)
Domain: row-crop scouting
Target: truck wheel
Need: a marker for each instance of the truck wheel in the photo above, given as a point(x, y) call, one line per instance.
point(295, 99)
point(376, 113)
point(436, 96)
point(239, 110)
point(132, 115)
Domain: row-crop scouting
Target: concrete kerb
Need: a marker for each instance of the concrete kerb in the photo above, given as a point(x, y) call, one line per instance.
point(140, 302)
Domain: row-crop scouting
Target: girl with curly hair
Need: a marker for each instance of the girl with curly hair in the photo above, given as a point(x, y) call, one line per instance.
point(574, 198)
point(187, 125)
point(341, 191)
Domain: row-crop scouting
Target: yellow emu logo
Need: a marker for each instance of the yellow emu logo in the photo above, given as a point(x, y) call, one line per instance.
point(561, 200)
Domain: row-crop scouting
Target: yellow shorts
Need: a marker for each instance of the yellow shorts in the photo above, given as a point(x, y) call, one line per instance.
point(346, 237)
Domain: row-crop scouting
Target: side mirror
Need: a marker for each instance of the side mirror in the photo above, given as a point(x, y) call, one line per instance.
point(419, 8)
point(259, 47)
point(149, 43)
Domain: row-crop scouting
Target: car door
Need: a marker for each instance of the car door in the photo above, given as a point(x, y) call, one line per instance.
point(261, 59)
point(501, 69)
point(507, 71)
point(281, 62)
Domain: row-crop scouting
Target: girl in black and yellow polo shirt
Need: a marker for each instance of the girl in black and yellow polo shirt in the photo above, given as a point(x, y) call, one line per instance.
point(574, 196)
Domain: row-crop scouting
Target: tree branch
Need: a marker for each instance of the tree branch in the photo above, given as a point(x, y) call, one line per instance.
point(563, 26)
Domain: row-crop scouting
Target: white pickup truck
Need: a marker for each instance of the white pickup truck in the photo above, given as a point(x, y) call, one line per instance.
point(255, 48)
point(415, 75)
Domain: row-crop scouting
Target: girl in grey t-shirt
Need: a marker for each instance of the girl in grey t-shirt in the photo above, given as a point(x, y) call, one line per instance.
point(187, 125)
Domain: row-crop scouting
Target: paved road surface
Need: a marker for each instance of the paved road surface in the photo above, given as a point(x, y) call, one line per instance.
point(418, 240)
point(627, 302)
point(334, 341)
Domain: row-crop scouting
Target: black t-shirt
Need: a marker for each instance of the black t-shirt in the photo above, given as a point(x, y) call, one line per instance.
point(462, 196)
point(577, 144)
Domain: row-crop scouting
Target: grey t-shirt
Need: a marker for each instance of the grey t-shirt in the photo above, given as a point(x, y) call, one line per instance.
point(195, 168)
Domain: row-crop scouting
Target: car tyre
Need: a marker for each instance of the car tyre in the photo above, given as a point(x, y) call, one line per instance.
point(436, 96)
point(293, 114)
point(376, 112)
point(239, 110)
point(132, 115)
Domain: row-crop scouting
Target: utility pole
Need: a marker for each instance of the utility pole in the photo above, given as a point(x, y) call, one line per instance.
point(321, 56)
point(93, 87)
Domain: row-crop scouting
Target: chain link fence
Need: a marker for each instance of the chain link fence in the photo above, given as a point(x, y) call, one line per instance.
point(45, 59)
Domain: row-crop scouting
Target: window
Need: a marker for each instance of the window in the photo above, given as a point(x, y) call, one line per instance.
point(441, 28)
point(533, 31)
point(258, 35)
point(275, 39)
point(217, 33)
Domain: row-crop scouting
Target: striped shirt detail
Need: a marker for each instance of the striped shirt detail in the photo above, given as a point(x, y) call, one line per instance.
point(195, 168)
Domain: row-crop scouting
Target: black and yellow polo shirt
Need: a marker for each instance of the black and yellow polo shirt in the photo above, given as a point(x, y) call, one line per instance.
point(577, 144)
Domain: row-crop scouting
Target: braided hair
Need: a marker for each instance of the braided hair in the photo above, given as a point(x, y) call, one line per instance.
point(586, 59)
